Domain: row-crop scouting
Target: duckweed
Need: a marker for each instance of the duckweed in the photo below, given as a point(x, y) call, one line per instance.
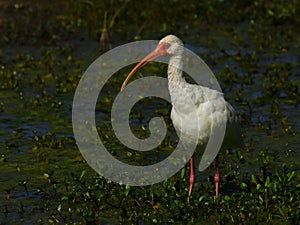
point(253, 49)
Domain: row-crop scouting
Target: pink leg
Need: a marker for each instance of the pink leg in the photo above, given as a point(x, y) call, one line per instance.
point(192, 178)
point(217, 176)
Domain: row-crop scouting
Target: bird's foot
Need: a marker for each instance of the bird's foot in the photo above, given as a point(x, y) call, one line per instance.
point(217, 180)
point(217, 177)
point(188, 201)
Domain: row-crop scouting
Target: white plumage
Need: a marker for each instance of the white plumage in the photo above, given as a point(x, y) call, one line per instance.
point(196, 110)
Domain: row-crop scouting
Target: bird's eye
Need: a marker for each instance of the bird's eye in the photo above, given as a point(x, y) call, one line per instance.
point(166, 45)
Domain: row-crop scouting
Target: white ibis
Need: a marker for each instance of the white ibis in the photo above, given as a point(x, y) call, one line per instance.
point(209, 103)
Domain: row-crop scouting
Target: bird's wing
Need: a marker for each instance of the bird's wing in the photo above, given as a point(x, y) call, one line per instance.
point(231, 114)
point(233, 136)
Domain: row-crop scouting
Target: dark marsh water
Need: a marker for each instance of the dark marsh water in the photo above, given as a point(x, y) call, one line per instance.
point(252, 49)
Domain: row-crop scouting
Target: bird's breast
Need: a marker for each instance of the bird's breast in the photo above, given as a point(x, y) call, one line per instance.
point(193, 114)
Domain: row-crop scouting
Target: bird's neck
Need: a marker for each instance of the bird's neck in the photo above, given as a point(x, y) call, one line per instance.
point(175, 79)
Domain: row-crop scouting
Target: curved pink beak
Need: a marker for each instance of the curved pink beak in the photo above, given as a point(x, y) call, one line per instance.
point(159, 51)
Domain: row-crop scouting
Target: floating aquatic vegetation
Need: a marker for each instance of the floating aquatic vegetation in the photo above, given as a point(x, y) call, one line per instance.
point(253, 47)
